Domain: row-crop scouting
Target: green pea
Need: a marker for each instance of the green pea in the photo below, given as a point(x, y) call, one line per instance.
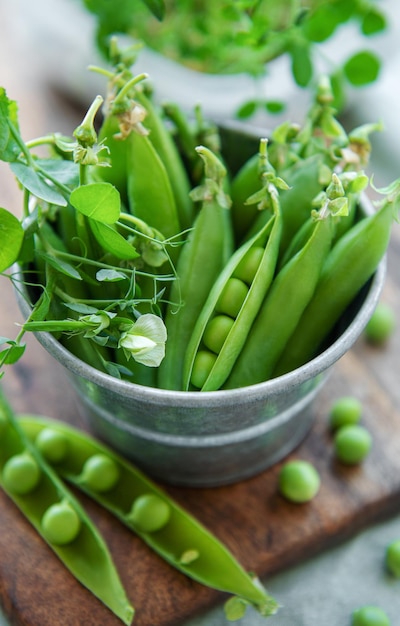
point(381, 325)
point(202, 365)
point(60, 524)
point(299, 481)
point(370, 616)
point(21, 474)
point(100, 473)
point(345, 411)
point(150, 513)
point(52, 445)
point(232, 297)
point(352, 444)
point(216, 332)
point(249, 264)
point(392, 558)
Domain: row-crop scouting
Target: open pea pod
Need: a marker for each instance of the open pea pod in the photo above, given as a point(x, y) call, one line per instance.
point(142, 506)
point(227, 316)
point(57, 516)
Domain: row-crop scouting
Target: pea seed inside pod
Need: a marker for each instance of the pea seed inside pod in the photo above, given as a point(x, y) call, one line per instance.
point(232, 297)
point(99, 473)
point(249, 264)
point(216, 332)
point(21, 474)
point(149, 513)
point(52, 444)
point(203, 363)
point(60, 524)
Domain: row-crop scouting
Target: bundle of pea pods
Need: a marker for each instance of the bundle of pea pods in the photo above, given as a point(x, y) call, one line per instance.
point(266, 257)
point(177, 263)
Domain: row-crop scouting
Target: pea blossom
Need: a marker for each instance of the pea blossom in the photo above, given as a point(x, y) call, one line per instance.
point(144, 341)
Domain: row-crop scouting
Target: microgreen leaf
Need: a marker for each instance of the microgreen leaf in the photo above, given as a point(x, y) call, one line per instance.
point(11, 237)
point(111, 241)
point(99, 201)
point(302, 69)
point(110, 276)
point(62, 266)
point(9, 147)
point(362, 68)
point(66, 172)
point(33, 182)
point(78, 307)
point(247, 109)
point(12, 354)
point(373, 22)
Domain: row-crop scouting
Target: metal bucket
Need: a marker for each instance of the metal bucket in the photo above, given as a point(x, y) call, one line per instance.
point(210, 438)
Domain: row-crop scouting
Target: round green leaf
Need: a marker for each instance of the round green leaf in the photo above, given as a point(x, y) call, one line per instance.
point(247, 109)
point(99, 201)
point(362, 68)
point(11, 237)
point(374, 22)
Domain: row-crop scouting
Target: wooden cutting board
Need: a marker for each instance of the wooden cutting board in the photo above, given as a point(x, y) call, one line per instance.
point(266, 533)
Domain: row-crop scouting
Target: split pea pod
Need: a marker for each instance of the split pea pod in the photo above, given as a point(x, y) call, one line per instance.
point(226, 318)
point(57, 516)
point(350, 264)
point(147, 510)
point(204, 254)
point(290, 292)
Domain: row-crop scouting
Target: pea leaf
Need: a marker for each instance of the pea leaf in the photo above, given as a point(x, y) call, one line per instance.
point(274, 106)
point(62, 266)
point(302, 69)
point(99, 201)
point(362, 68)
point(373, 22)
point(66, 172)
point(33, 182)
point(9, 147)
point(247, 109)
point(110, 276)
point(111, 241)
point(11, 237)
point(12, 354)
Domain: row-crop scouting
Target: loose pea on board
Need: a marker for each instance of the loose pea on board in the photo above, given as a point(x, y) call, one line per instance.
point(147, 510)
point(58, 517)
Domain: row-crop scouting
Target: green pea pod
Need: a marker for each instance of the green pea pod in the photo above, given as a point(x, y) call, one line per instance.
point(217, 308)
point(204, 254)
point(289, 294)
point(244, 184)
point(304, 183)
point(149, 189)
point(57, 516)
point(117, 147)
point(147, 510)
point(350, 264)
point(168, 153)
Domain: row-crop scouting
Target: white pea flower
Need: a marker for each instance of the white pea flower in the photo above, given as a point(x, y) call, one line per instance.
point(144, 341)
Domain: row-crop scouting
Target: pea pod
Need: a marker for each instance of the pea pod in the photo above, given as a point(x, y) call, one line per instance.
point(304, 182)
point(57, 516)
point(144, 508)
point(150, 194)
point(289, 294)
point(204, 254)
point(168, 152)
point(226, 318)
point(351, 262)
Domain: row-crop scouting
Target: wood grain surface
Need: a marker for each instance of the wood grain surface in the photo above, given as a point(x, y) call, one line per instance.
point(266, 533)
